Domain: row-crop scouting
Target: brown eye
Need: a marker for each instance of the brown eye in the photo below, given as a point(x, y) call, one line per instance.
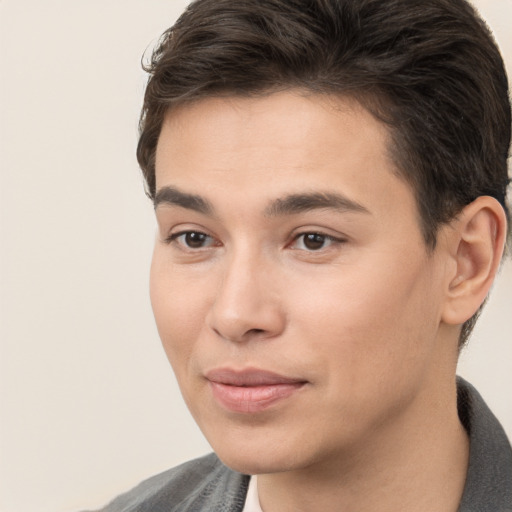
point(313, 241)
point(192, 239)
point(195, 240)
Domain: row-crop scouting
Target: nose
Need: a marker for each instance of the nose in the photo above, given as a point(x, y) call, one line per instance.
point(247, 303)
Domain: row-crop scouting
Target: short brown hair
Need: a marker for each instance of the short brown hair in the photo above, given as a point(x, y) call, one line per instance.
point(429, 69)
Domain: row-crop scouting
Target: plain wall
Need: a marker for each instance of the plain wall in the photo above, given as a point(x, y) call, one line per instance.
point(88, 404)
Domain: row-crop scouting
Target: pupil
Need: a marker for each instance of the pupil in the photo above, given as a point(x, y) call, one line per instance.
point(195, 240)
point(314, 241)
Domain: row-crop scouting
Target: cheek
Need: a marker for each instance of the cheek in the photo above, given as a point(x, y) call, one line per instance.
point(368, 319)
point(373, 347)
point(179, 309)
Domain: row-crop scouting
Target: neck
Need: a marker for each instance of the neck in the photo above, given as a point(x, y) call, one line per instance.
point(418, 463)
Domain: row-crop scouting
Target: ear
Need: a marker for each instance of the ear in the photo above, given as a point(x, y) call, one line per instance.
point(477, 240)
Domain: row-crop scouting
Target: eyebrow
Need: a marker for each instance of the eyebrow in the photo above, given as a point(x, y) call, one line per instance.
point(174, 197)
point(299, 203)
point(288, 205)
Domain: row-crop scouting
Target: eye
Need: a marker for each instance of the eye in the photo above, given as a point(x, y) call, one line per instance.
point(192, 239)
point(314, 241)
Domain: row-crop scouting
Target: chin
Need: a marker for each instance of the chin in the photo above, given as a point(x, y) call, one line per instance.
point(261, 458)
point(254, 465)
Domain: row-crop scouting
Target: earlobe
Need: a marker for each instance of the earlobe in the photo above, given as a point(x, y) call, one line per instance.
point(478, 236)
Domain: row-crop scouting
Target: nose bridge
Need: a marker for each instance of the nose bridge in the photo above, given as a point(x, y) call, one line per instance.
point(245, 304)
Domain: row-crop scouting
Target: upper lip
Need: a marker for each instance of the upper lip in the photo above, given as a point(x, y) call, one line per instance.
point(249, 377)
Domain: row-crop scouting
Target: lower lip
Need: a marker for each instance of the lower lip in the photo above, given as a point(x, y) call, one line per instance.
point(251, 399)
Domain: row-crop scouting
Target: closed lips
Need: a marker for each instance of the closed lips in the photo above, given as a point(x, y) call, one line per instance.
point(249, 377)
point(251, 391)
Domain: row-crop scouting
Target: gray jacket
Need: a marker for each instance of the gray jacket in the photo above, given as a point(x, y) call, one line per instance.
point(206, 485)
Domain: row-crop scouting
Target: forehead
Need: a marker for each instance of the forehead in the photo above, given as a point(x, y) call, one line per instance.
point(278, 144)
point(261, 118)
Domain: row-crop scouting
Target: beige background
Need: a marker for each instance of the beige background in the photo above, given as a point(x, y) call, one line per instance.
point(88, 405)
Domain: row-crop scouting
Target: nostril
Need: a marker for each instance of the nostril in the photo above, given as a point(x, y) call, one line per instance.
point(243, 320)
point(247, 334)
point(255, 331)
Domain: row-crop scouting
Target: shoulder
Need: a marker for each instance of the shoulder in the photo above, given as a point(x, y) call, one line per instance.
point(198, 485)
point(489, 479)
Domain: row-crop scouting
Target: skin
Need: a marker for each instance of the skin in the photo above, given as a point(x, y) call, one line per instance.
point(359, 314)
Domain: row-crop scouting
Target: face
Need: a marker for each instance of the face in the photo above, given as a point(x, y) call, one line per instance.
point(291, 286)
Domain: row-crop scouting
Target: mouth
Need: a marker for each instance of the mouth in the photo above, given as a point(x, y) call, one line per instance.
point(251, 390)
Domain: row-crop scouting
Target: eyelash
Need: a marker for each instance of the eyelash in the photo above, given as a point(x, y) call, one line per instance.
point(325, 238)
point(174, 237)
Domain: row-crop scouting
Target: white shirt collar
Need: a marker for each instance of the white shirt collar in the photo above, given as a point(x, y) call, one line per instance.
point(252, 502)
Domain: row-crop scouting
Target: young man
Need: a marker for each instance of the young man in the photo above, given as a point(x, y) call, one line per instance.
point(329, 180)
